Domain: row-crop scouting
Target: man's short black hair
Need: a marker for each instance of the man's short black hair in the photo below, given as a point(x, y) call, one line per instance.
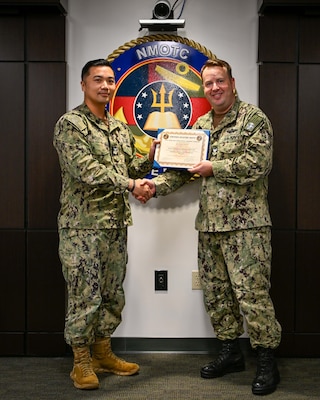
point(94, 63)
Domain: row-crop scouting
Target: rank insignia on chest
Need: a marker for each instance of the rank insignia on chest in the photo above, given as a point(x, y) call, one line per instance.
point(214, 151)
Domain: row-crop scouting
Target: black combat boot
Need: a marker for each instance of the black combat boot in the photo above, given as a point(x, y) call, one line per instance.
point(230, 359)
point(267, 376)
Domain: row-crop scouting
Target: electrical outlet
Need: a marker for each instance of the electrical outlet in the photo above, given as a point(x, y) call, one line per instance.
point(196, 280)
point(160, 280)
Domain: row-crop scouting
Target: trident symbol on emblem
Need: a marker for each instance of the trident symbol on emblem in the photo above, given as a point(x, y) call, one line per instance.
point(162, 104)
point(162, 118)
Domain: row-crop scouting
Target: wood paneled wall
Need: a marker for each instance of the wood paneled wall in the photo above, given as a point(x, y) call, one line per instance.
point(289, 57)
point(33, 84)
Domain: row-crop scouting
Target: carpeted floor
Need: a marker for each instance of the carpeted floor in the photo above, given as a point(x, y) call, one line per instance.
point(163, 376)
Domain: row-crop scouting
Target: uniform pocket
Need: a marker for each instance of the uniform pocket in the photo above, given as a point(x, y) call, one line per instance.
point(231, 145)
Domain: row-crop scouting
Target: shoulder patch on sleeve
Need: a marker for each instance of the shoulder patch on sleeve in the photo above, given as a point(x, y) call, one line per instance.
point(77, 121)
point(249, 127)
point(253, 122)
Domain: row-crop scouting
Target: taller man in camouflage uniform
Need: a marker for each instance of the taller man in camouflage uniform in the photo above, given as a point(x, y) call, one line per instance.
point(234, 248)
point(99, 168)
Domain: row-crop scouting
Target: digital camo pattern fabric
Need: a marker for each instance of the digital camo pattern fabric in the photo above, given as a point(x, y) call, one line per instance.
point(96, 163)
point(93, 265)
point(235, 270)
point(241, 148)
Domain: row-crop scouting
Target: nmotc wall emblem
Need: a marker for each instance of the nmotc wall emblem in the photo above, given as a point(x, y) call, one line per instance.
point(158, 85)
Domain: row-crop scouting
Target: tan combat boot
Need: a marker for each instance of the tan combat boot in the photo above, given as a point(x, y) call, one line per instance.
point(103, 359)
point(82, 373)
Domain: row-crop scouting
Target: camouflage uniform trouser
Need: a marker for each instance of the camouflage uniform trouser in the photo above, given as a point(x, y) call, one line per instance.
point(235, 269)
point(94, 268)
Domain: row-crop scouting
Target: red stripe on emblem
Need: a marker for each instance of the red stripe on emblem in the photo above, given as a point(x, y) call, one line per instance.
point(200, 106)
point(126, 103)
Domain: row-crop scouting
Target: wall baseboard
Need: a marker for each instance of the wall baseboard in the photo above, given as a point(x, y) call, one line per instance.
point(174, 345)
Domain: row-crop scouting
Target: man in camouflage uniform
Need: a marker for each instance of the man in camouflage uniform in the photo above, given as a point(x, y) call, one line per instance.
point(234, 247)
point(99, 166)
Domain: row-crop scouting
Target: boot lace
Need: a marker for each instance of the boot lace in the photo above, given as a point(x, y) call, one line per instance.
point(265, 362)
point(85, 363)
point(224, 353)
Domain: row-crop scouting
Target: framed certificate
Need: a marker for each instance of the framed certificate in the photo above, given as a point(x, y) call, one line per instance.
point(181, 148)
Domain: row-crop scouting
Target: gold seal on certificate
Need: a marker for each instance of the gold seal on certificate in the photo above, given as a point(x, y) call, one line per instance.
point(181, 148)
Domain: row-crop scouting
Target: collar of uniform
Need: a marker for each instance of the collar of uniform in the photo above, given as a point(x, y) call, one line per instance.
point(113, 123)
point(231, 115)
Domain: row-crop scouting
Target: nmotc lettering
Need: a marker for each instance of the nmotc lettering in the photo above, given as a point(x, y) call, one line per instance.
point(163, 50)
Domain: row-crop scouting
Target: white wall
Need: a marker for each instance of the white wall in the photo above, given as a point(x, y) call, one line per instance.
point(163, 235)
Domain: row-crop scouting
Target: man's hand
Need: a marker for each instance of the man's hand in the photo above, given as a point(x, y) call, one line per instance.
point(148, 190)
point(142, 191)
point(153, 149)
point(203, 168)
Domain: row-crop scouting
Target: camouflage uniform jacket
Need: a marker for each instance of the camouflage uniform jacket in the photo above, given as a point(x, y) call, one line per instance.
point(96, 163)
point(240, 151)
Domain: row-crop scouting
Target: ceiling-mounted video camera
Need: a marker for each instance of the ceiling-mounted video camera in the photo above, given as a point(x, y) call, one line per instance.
point(162, 10)
point(162, 19)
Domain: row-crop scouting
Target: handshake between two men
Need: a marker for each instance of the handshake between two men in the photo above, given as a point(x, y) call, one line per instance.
point(145, 189)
